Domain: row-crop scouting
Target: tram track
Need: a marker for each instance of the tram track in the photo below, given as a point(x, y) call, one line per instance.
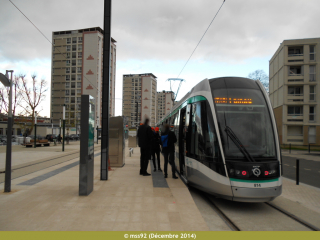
point(236, 222)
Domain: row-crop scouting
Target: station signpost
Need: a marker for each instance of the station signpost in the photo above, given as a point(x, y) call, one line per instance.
point(86, 145)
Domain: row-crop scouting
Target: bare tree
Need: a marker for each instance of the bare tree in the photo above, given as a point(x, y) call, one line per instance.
point(262, 76)
point(32, 95)
point(16, 97)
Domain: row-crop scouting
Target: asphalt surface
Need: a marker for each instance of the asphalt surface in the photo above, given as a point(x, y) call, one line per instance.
point(309, 170)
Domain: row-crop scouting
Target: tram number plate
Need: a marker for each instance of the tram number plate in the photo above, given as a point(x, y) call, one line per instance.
point(257, 185)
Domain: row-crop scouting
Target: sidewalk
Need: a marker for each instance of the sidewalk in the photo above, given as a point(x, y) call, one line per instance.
point(301, 154)
point(127, 201)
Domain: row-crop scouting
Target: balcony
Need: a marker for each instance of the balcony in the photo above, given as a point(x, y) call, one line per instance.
point(295, 51)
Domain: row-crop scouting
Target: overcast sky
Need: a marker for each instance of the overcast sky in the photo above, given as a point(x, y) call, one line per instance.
point(159, 36)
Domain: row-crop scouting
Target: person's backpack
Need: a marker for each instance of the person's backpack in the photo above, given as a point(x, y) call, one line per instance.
point(164, 140)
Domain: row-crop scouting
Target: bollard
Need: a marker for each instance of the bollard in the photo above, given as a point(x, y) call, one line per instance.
point(297, 172)
point(309, 148)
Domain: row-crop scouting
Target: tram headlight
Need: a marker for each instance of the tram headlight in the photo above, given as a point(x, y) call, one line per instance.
point(238, 172)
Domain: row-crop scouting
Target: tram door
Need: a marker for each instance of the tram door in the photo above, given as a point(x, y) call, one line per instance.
point(183, 127)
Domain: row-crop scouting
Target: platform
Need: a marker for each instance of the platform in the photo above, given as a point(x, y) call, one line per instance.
point(47, 200)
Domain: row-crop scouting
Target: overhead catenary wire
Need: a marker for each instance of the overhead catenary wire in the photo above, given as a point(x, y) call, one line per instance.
point(48, 40)
point(201, 39)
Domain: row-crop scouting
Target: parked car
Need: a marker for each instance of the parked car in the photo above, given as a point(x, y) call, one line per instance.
point(50, 137)
point(74, 137)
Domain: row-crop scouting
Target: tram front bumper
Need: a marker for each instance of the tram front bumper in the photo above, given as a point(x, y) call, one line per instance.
point(243, 194)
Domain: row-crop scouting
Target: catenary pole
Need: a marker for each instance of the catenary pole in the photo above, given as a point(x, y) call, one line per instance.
point(105, 90)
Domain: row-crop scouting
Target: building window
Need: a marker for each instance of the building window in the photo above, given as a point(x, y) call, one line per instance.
point(74, 55)
point(80, 47)
point(295, 51)
point(67, 92)
point(67, 84)
point(74, 63)
point(312, 134)
point(79, 91)
point(68, 62)
point(295, 70)
point(312, 114)
point(68, 48)
point(68, 40)
point(67, 70)
point(73, 70)
point(295, 91)
point(312, 93)
point(79, 39)
point(79, 54)
point(79, 69)
point(73, 77)
point(312, 53)
point(79, 62)
point(67, 77)
point(78, 84)
point(73, 85)
point(312, 73)
point(78, 77)
point(68, 55)
point(74, 47)
point(67, 100)
point(295, 111)
point(74, 40)
point(78, 99)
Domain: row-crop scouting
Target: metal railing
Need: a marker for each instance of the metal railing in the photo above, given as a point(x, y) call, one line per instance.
point(309, 147)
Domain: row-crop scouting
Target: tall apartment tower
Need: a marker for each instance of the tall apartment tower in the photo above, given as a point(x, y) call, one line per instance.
point(293, 85)
point(164, 103)
point(139, 98)
point(76, 70)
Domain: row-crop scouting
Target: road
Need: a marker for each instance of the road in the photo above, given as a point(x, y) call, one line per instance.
point(309, 170)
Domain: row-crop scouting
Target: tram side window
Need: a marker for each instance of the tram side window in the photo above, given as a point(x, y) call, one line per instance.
point(204, 144)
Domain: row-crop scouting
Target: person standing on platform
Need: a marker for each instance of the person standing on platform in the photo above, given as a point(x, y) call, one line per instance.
point(156, 149)
point(168, 139)
point(145, 137)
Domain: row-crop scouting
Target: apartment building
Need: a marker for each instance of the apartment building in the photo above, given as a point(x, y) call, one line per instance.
point(294, 92)
point(77, 57)
point(164, 103)
point(139, 98)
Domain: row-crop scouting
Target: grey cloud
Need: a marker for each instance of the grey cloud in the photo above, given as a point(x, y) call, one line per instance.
point(162, 30)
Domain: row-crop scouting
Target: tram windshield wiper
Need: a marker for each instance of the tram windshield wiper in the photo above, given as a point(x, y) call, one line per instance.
point(237, 142)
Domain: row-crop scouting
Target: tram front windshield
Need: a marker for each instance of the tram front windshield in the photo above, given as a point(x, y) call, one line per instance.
point(246, 113)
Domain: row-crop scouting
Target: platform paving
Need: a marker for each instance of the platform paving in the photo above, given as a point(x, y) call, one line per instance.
point(127, 201)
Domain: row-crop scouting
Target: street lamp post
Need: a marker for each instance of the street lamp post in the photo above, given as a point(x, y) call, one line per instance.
point(64, 125)
point(35, 129)
point(6, 82)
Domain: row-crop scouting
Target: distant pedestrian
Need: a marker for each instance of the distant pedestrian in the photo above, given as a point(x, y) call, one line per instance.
point(145, 143)
point(168, 139)
point(59, 138)
point(156, 149)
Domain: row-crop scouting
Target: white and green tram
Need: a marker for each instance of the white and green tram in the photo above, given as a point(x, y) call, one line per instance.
point(227, 140)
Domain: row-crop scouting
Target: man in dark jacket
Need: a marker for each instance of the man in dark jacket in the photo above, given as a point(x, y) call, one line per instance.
point(145, 143)
point(168, 139)
point(156, 149)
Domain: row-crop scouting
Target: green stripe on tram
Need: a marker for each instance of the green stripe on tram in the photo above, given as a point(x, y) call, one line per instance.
point(253, 181)
point(188, 101)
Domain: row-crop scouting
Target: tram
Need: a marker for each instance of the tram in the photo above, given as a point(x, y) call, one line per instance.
point(227, 140)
